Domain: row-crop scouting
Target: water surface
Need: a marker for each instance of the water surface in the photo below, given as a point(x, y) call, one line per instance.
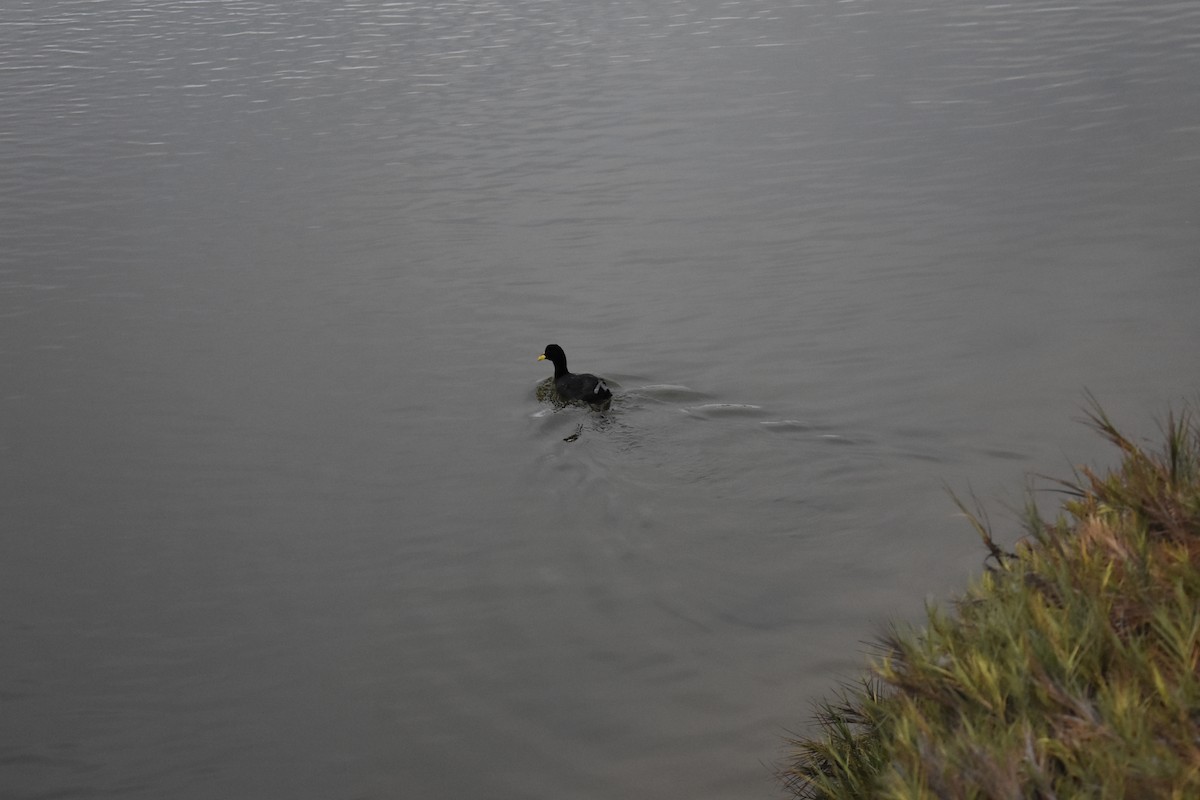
point(282, 515)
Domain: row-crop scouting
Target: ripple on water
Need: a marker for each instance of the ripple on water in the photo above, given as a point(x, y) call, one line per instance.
point(786, 426)
point(722, 410)
point(669, 393)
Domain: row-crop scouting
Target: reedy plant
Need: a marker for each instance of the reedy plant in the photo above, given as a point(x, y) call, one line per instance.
point(1071, 668)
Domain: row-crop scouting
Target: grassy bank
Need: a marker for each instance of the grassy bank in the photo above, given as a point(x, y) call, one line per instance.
point(1071, 668)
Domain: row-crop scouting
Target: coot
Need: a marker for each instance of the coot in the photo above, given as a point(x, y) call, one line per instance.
point(583, 387)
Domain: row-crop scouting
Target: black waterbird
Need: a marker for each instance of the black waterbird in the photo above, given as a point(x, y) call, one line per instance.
point(584, 388)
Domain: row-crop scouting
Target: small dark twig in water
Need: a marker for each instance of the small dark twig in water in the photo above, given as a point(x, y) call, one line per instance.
point(575, 435)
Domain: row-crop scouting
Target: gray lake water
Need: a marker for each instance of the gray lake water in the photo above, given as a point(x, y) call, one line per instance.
point(281, 514)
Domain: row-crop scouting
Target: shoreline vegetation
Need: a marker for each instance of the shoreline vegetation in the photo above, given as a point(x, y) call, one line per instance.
point(1070, 668)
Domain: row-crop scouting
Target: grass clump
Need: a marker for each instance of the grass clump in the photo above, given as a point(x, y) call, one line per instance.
point(1071, 668)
